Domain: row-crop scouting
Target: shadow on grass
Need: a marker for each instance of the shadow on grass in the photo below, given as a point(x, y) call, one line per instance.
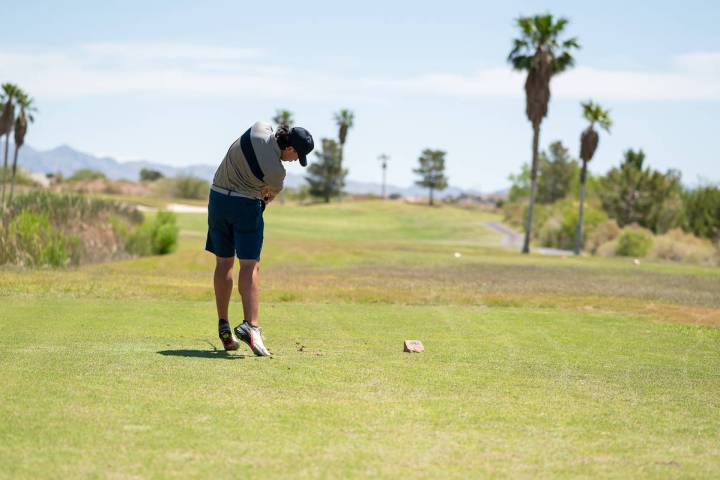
point(220, 354)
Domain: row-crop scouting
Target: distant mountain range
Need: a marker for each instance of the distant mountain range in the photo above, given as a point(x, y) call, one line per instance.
point(67, 160)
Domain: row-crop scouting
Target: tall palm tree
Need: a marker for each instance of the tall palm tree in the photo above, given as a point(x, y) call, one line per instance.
point(283, 117)
point(344, 120)
point(589, 139)
point(539, 52)
point(21, 125)
point(9, 93)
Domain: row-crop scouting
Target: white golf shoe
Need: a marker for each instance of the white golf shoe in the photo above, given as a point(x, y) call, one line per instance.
point(252, 336)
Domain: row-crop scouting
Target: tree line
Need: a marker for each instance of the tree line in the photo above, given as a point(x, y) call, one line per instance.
point(326, 176)
point(631, 193)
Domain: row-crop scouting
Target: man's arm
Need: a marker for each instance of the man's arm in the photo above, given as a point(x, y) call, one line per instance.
point(274, 182)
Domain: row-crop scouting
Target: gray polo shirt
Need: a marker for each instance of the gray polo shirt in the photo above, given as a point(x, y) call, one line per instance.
point(235, 174)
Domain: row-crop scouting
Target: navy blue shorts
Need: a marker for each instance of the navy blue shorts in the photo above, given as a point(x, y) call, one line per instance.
point(235, 226)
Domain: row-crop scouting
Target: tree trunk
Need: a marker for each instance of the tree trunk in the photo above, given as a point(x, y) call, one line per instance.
point(431, 196)
point(383, 183)
point(533, 187)
point(340, 160)
point(5, 165)
point(14, 172)
point(579, 231)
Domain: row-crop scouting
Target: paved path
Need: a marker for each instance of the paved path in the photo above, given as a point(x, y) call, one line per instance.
point(513, 240)
point(175, 207)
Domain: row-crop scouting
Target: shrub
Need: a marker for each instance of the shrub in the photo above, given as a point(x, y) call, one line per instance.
point(32, 241)
point(45, 228)
point(602, 234)
point(164, 233)
point(554, 225)
point(552, 234)
point(155, 237)
point(86, 174)
point(607, 249)
point(634, 241)
point(183, 187)
point(702, 212)
point(68, 208)
point(22, 178)
point(592, 219)
point(679, 246)
point(149, 175)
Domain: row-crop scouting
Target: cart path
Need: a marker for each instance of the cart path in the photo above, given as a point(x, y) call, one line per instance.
point(513, 240)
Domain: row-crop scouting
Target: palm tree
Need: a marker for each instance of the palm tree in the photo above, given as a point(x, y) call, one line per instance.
point(21, 125)
point(383, 162)
point(541, 54)
point(344, 120)
point(9, 93)
point(589, 139)
point(283, 117)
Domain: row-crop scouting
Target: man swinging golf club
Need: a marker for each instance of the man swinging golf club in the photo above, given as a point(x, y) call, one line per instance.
point(249, 177)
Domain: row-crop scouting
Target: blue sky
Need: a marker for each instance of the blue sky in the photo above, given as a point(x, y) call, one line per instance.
point(176, 82)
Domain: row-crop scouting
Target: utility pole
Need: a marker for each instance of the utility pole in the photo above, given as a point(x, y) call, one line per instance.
point(383, 161)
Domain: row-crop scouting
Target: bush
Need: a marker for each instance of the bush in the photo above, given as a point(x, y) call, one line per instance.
point(634, 241)
point(165, 233)
point(44, 228)
point(679, 246)
point(602, 234)
point(554, 225)
point(702, 212)
point(158, 236)
point(86, 174)
point(22, 178)
point(68, 209)
point(592, 219)
point(183, 187)
point(32, 241)
point(149, 175)
point(607, 249)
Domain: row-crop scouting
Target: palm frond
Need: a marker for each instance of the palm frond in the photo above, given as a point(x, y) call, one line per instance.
point(526, 25)
point(594, 113)
point(522, 62)
point(571, 43)
point(27, 107)
point(11, 90)
point(543, 24)
point(540, 35)
point(562, 62)
point(559, 25)
point(344, 117)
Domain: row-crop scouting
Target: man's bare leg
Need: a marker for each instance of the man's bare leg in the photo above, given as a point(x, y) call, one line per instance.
point(223, 281)
point(248, 331)
point(248, 286)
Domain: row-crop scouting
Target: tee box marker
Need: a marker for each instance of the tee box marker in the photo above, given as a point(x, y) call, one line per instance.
point(413, 346)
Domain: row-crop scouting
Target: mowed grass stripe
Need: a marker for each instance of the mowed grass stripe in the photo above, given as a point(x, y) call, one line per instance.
point(137, 389)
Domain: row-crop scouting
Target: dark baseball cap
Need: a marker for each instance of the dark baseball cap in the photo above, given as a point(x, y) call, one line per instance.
point(301, 140)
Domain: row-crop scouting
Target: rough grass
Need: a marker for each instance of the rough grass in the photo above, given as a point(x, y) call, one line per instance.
point(535, 366)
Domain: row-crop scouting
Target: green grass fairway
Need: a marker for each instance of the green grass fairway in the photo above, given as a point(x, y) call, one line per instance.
point(535, 367)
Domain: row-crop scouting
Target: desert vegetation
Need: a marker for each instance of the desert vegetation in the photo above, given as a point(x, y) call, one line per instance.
point(57, 230)
point(633, 210)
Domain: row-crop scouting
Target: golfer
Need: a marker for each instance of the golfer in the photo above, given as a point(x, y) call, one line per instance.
point(249, 177)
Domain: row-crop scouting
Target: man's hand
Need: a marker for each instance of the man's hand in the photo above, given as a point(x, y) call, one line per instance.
point(268, 194)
